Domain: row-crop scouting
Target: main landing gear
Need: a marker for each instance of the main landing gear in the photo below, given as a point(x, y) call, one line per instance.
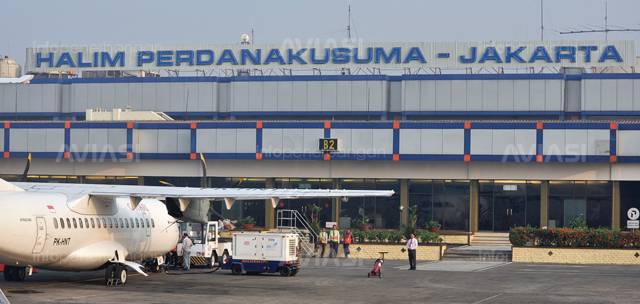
point(115, 274)
point(13, 273)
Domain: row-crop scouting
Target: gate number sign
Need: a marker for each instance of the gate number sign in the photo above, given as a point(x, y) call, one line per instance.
point(328, 144)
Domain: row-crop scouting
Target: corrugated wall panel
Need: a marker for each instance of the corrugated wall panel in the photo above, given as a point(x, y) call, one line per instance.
point(314, 98)
point(256, 96)
point(359, 96)
point(427, 96)
point(625, 95)
point(490, 95)
point(474, 96)
point(506, 100)
point(270, 98)
point(329, 95)
point(537, 97)
point(458, 95)
point(285, 96)
point(343, 96)
point(411, 96)
point(443, 95)
point(299, 96)
point(521, 95)
point(591, 95)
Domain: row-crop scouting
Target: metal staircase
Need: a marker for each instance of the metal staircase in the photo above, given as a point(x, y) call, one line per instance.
point(293, 221)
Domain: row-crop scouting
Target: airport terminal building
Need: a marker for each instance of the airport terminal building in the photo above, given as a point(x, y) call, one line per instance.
point(476, 136)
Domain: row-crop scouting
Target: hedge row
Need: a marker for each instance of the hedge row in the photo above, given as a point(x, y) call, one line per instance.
point(573, 238)
point(395, 237)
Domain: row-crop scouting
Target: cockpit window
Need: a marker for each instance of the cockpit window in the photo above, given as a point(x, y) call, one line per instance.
point(55, 223)
point(62, 223)
point(75, 223)
point(93, 223)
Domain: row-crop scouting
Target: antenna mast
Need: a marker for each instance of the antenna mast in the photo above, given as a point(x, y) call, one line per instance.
point(604, 30)
point(542, 20)
point(349, 22)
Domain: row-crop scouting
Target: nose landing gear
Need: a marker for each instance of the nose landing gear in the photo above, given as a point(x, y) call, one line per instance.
point(13, 273)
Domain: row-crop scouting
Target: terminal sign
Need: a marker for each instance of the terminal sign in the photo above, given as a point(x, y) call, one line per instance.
point(336, 55)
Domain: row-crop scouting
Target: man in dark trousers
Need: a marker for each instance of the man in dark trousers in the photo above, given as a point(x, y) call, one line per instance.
point(412, 246)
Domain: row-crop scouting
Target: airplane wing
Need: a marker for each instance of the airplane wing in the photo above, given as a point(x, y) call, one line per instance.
point(228, 195)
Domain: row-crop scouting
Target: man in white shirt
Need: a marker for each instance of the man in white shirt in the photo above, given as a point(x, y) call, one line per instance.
point(186, 252)
point(412, 245)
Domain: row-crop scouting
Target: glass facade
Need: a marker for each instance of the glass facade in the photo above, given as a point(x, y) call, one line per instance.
point(573, 200)
point(507, 204)
point(383, 212)
point(304, 206)
point(254, 209)
point(444, 201)
point(629, 198)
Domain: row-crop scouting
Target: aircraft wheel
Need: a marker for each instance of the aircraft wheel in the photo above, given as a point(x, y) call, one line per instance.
point(20, 273)
point(8, 273)
point(121, 272)
point(109, 274)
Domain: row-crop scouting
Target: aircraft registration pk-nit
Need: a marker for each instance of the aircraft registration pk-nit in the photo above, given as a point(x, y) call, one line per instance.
point(78, 227)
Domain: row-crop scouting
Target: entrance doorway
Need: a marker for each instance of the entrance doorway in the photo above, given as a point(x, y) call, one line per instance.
point(507, 204)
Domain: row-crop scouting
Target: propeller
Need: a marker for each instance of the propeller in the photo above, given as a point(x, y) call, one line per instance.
point(23, 178)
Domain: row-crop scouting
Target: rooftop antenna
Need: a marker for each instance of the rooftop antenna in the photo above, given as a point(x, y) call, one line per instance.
point(541, 20)
point(349, 21)
point(604, 30)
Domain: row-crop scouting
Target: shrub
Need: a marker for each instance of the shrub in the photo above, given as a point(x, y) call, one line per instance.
point(392, 236)
point(574, 238)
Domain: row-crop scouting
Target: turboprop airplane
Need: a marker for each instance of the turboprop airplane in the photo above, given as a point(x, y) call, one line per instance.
point(79, 227)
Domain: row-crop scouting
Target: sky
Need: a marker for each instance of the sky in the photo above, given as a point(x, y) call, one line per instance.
point(25, 23)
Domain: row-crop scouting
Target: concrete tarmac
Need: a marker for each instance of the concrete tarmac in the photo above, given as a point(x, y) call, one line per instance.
point(345, 281)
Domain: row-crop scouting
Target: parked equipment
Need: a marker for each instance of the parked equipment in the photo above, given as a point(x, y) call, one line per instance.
point(207, 249)
point(377, 267)
point(255, 252)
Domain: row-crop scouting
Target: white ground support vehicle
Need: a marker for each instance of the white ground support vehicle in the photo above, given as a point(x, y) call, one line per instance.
point(207, 250)
point(265, 253)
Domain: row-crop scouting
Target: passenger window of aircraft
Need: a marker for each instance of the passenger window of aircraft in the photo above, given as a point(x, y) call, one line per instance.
point(93, 223)
point(68, 223)
point(104, 222)
point(126, 223)
point(121, 223)
point(146, 221)
point(137, 223)
point(55, 223)
point(80, 222)
point(62, 223)
point(110, 222)
point(75, 223)
point(86, 223)
point(153, 225)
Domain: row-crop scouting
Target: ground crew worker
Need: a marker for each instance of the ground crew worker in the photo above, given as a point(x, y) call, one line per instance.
point(412, 246)
point(323, 238)
point(186, 252)
point(346, 241)
point(334, 238)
